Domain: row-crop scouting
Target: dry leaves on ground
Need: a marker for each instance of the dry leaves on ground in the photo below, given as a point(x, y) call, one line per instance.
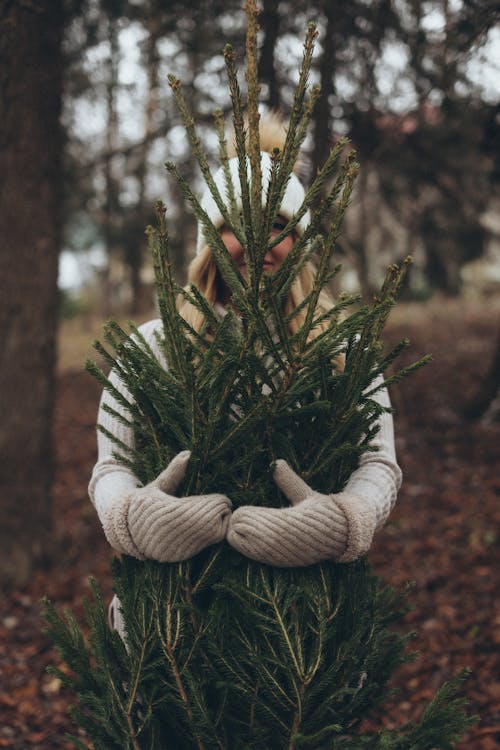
point(443, 535)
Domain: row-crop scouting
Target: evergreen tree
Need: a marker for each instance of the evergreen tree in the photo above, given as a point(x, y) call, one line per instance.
point(221, 651)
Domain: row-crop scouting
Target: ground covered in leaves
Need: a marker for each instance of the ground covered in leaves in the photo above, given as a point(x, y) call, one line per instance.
point(443, 535)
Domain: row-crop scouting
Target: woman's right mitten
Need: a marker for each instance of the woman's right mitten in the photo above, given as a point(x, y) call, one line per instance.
point(150, 522)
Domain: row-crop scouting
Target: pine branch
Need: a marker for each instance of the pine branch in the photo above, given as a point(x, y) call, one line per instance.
point(222, 257)
point(188, 122)
point(253, 88)
point(220, 126)
point(240, 143)
point(175, 349)
point(297, 126)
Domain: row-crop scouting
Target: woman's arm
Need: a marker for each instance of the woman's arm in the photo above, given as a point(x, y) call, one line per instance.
point(110, 478)
point(109, 475)
point(319, 526)
point(378, 476)
point(370, 493)
point(150, 522)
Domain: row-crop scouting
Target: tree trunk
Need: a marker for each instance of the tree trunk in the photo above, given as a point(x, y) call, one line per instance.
point(487, 392)
point(360, 246)
point(112, 197)
point(269, 20)
point(30, 147)
point(321, 114)
point(135, 242)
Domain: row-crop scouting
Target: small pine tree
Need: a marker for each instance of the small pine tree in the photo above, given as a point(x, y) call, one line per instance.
point(220, 651)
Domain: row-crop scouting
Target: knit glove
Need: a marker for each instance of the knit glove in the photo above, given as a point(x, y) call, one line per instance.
point(317, 527)
point(149, 522)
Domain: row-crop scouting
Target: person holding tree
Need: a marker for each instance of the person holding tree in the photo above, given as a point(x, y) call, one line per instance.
point(266, 403)
point(153, 522)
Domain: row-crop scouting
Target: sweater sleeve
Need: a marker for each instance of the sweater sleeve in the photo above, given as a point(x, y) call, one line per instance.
point(110, 479)
point(371, 491)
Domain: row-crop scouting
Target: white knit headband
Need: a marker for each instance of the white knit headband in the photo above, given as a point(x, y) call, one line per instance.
point(292, 200)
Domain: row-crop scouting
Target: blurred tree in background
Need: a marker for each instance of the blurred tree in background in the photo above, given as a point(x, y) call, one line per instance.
point(30, 157)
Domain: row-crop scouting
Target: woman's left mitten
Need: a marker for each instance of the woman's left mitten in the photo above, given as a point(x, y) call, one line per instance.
point(289, 537)
point(317, 527)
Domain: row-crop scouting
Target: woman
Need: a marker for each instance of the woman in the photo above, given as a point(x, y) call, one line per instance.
point(151, 522)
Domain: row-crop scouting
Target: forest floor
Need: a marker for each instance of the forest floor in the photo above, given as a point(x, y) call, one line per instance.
point(443, 535)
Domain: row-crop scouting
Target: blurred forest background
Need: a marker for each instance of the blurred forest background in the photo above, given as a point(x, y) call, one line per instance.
point(413, 84)
point(87, 121)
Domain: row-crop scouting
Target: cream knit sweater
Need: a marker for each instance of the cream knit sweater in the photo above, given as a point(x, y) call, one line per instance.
point(367, 498)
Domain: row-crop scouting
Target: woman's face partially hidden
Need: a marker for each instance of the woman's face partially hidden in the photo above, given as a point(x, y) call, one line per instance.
point(272, 259)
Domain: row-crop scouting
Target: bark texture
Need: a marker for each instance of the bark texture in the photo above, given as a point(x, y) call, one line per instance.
point(321, 116)
point(270, 22)
point(30, 147)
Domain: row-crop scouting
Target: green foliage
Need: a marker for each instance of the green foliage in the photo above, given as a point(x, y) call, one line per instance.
point(244, 663)
point(220, 651)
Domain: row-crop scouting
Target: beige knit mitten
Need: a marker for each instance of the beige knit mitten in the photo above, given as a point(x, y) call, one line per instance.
point(317, 527)
point(149, 522)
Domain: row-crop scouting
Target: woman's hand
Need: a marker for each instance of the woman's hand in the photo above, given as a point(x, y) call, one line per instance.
point(316, 527)
point(150, 522)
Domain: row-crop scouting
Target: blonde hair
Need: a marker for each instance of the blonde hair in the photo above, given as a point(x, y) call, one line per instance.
point(203, 274)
